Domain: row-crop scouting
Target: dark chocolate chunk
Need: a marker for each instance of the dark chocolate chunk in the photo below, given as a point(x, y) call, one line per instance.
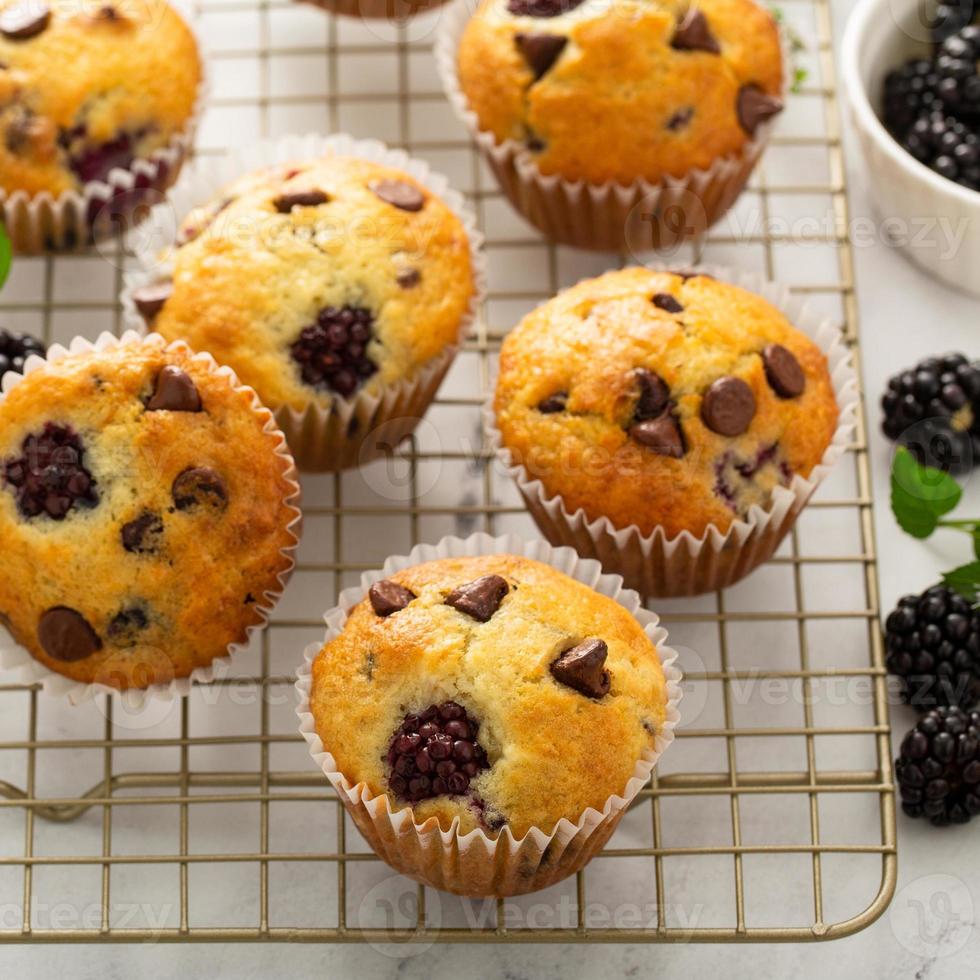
point(175, 392)
point(553, 403)
point(728, 406)
point(667, 303)
point(66, 635)
point(408, 278)
point(783, 371)
point(308, 198)
point(125, 627)
point(142, 535)
point(541, 8)
point(24, 20)
point(654, 395)
point(149, 300)
point(481, 598)
point(754, 107)
point(694, 34)
point(663, 435)
point(199, 486)
point(389, 597)
point(583, 668)
point(540, 51)
point(399, 194)
point(680, 119)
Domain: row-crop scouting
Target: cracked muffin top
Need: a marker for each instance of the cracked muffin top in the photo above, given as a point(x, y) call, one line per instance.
point(143, 514)
point(628, 91)
point(317, 279)
point(662, 399)
point(493, 689)
point(85, 88)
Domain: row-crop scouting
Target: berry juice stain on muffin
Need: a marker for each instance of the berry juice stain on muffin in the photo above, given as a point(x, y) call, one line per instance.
point(475, 665)
point(142, 507)
point(637, 91)
point(317, 279)
point(661, 399)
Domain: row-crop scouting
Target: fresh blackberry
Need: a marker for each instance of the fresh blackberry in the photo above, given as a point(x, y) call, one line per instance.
point(952, 16)
point(435, 753)
point(933, 645)
point(332, 353)
point(910, 92)
point(958, 75)
point(15, 348)
point(934, 410)
point(938, 767)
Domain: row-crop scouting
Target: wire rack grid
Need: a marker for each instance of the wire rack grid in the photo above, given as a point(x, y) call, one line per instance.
point(770, 819)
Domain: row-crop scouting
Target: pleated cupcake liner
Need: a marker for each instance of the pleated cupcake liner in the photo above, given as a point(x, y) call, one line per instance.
point(658, 565)
point(350, 431)
point(476, 864)
point(18, 659)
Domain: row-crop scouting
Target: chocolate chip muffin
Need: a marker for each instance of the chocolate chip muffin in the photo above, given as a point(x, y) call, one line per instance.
point(663, 400)
point(317, 280)
point(85, 88)
point(494, 690)
point(144, 511)
point(634, 91)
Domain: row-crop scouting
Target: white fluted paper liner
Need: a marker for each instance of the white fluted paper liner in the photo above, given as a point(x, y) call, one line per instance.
point(39, 223)
point(476, 864)
point(685, 565)
point(18, 660)
point(606, 217)
point(351, 431)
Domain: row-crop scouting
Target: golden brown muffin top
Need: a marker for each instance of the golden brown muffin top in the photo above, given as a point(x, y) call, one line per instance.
point(666, 400)
point(632, 90)
point(142, 501)
point(84, 88)
point(334, 261)
point(556, 690)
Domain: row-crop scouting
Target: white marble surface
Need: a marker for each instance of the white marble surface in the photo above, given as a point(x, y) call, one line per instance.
point(904, 316)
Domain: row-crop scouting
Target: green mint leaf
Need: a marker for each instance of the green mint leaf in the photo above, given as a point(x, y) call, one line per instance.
point(975, 534)
point(920, 494)
point(799, 77)
point(965, 580)
point(6, 255)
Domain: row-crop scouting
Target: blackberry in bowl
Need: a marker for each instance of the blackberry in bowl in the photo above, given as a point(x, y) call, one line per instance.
point(15, 348)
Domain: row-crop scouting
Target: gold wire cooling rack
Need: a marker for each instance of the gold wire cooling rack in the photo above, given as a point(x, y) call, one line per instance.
point(770, 819)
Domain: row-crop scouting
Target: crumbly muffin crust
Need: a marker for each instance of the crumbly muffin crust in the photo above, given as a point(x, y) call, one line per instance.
point(551, 750)
point(139, 492)
point(666, 400)
point(85, 88)
point(636, 90)
point(319, 279)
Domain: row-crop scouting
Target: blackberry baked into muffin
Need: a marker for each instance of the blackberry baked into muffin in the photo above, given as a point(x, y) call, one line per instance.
point(494, 690)
point(87, 88)
point(636, 91)
point(145, 513)
point(663, 400)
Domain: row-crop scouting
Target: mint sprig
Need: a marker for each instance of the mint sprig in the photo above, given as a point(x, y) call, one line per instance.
point(921, 497)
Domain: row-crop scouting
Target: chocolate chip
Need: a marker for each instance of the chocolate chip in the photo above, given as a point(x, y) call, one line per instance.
point(399, 194)
point(66, 635)
point(663, 435)
point(389, 597)
point(680, 119)
point(479, 599)
point(108, 14)
point(540, 51)
point(408, 278)
point(754, 107)
point(541, 8)
point(667, 303)
point(142, 535)
point(654, 395)
point(686, 274)
point(24, 20)
point(553, 403)
point(175, 392)
point(199, 485)
point(310, 198)
point(124, 628)
point(150, 300)
point(728, 406)
point(582, 668)
point(694, 34)
point(783, 371)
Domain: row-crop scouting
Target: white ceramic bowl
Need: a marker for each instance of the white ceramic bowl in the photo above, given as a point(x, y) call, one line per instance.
point(935, 221)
